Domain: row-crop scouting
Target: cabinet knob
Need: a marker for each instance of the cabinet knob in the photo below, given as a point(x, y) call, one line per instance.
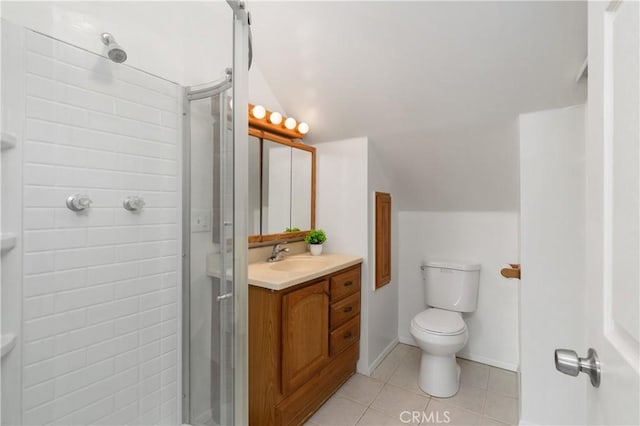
point(348, 283)
point(348, 309)
point(347, 335)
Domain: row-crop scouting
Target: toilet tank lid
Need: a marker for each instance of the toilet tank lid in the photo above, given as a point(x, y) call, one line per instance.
point(453, 264)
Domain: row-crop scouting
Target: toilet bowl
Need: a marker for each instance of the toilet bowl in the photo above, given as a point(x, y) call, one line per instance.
point(440, 334)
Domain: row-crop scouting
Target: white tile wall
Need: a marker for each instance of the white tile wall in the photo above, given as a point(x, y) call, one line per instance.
point(100, 287)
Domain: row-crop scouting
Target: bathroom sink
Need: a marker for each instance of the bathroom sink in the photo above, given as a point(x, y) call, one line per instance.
point(306, 264)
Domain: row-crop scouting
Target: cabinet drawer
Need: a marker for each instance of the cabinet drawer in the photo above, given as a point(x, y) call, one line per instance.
point(343, 336)
point(345, 284)
point(343, 310)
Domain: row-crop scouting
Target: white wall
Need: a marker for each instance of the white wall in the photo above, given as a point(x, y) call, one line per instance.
point(346, 178)
point(552, 300)
point(382, 304)
point(194, 49)
point(99, 335)
point(491, 238)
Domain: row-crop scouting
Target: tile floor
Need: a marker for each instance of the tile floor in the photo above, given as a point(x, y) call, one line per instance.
point(487, 396)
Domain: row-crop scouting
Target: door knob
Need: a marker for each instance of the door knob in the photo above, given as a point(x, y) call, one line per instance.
point(567, 362)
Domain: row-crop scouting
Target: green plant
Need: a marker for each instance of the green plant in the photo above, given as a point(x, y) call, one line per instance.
point(294, 229)
point(315, 236)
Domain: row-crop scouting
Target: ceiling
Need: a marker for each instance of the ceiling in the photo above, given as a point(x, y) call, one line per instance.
point(436, 86)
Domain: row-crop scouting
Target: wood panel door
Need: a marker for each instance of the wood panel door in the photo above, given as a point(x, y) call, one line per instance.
point(383, 239)
point(305, 334)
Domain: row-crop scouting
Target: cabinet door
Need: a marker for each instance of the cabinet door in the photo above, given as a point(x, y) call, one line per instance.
point(305, 334)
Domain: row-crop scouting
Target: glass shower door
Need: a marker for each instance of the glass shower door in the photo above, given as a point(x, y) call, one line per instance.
point(210, 314)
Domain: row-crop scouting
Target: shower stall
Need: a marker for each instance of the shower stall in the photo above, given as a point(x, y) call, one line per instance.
point(123, 213)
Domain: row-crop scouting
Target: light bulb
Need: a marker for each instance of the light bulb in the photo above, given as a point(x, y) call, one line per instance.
point(259, 112)
point(290, 123)
point(275, 118)
point(303, 128)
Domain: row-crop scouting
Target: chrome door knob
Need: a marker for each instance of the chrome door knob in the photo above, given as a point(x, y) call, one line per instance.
point(568, 362)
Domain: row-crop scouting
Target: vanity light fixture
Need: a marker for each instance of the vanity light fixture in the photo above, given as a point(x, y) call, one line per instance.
point(259, 112)
point(290, 123)
point(275, 118)
point(261, 119)
point(303, 128)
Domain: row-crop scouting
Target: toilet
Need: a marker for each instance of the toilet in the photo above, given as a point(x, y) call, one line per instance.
point(450, 288)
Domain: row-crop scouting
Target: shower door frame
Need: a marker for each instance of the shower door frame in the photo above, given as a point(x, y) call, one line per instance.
point(238, 82)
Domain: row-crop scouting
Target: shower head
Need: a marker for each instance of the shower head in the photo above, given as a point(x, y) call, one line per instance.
point(114, 51)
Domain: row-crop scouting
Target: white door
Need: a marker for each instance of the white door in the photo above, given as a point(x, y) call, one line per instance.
point(613, 215)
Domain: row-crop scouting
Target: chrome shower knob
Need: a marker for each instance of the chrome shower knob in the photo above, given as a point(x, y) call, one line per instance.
point(133, 203)
point(78, 202)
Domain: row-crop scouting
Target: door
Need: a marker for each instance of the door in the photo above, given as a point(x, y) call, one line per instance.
point(612, 209)
point(305, 334)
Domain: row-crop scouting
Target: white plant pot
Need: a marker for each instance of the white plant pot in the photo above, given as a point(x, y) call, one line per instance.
point(316, 249)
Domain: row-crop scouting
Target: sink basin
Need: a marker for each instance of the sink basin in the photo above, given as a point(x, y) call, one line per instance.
point(307, 264)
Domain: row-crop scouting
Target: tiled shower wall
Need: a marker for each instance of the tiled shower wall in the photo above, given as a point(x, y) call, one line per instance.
point(100, 288)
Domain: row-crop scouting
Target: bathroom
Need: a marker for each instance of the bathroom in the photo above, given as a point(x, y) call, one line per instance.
point(140, 206)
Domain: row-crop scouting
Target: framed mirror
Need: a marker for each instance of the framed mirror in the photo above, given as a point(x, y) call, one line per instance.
point(281, 187)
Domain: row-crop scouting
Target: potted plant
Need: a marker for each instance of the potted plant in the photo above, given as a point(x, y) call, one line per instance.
point(315, 238)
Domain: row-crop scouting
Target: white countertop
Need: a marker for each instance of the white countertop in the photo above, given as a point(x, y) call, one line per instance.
point(298, 268)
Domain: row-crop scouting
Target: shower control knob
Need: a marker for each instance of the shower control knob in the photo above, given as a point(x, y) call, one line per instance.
point(133, 203)
point(78, 202)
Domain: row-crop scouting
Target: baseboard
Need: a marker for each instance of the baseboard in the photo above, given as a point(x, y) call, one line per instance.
point(408, 340)
point(380, 357)
point(489, 361)
point(526, 423)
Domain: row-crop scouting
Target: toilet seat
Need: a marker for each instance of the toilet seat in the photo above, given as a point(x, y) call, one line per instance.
point(440, 322)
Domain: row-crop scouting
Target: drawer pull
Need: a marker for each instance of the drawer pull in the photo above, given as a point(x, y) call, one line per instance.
point(348, 283)
point(347, 335)
point(347, 309)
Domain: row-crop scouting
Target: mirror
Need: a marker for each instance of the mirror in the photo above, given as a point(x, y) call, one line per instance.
point(281, 187)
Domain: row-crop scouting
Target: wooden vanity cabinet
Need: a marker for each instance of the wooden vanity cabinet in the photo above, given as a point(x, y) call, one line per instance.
point(303, 344)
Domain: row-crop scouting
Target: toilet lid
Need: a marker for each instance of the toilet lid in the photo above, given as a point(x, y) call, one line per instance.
point(440, 321)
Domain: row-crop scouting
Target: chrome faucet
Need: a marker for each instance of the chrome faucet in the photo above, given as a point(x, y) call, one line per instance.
point(276, 253)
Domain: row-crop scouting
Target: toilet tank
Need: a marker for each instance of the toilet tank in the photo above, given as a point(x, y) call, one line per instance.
point(451, 285)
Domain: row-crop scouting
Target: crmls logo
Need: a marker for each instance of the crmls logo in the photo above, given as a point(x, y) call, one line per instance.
point(434, 417)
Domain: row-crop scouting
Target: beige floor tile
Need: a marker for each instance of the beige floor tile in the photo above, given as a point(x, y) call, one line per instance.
point(361, 389)
point(474, 373)
point(503, 382)
point(406, 377)
point(400, 350)
point(393, 401)
point(468, 397)
point(385, 370)
point(338, 411)
point(486, 421)
point(438, 412)
point(373, 417)
point(308, 423)
point(501, 408)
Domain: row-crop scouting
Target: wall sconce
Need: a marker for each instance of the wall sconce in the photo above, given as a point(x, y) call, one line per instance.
point(258, 112)
point(290, 123)
point(273, 122)
point(275, 118)
point(303, 128)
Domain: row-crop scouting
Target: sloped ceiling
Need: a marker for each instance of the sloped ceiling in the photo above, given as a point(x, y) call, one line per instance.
point(436, 86)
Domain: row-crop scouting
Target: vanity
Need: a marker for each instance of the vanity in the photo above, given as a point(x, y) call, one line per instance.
point(304, 311)
point(304, 333)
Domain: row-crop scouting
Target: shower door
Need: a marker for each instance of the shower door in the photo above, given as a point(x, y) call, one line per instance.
point(208, 289)
point(215, 190)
